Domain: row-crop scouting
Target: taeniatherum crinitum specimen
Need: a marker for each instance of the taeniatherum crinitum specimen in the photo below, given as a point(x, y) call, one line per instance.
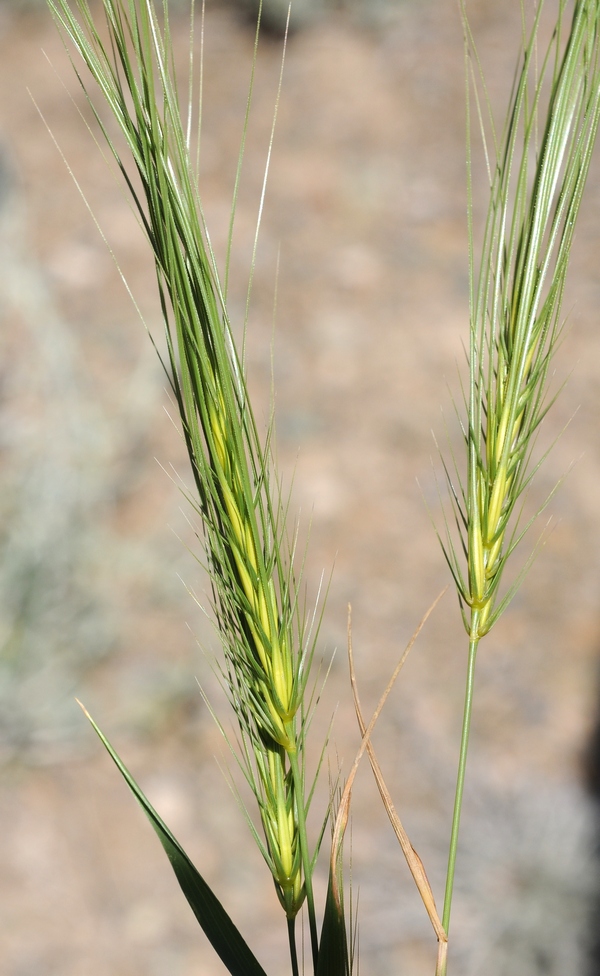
point(538, 164)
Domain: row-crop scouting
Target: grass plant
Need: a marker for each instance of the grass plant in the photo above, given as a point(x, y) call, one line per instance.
point(540, 165)
point(537, 165)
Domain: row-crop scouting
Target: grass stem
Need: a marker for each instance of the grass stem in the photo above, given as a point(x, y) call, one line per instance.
point(460, 779)
point(291, 925)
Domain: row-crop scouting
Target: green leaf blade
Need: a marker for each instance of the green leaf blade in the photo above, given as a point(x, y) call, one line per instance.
point(218, 927)
point(333, 959)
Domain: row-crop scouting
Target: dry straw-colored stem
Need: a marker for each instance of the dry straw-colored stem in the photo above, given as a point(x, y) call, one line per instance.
point(413, 860)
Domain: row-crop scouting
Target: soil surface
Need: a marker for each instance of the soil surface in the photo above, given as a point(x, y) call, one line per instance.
point(360, 310)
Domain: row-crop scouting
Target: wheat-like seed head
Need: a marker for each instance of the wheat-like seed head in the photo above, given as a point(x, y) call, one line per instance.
point(516, 296)
point(255, 590)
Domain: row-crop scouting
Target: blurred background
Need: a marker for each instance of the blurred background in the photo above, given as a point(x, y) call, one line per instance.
point(360, 298)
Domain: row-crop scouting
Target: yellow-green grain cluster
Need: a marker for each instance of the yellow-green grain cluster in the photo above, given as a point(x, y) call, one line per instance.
point(267, 648)
point(262, 666)
point(541, 163)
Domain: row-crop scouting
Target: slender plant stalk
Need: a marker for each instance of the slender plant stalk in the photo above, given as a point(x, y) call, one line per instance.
point(515, 313)
point(460, 783)
point(291, 924)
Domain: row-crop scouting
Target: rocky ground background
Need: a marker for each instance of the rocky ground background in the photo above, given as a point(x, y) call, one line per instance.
point(364, 241)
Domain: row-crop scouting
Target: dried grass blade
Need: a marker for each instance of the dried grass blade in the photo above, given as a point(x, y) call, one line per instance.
point(415, 864)
point(341, 820)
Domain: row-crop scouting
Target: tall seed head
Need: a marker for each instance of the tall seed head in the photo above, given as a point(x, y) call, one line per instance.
point(255, 591)
point(535, 193)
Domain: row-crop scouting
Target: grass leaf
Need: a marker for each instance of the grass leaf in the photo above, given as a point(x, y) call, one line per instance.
point(334, 959)
point(218, 927)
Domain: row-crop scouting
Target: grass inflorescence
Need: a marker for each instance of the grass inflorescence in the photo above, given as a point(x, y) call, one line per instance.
point(256, 597)
point(540, 163)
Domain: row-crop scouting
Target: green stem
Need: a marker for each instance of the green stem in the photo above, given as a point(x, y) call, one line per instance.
point(460, 780)
point(293, 951)
point(306, 861)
